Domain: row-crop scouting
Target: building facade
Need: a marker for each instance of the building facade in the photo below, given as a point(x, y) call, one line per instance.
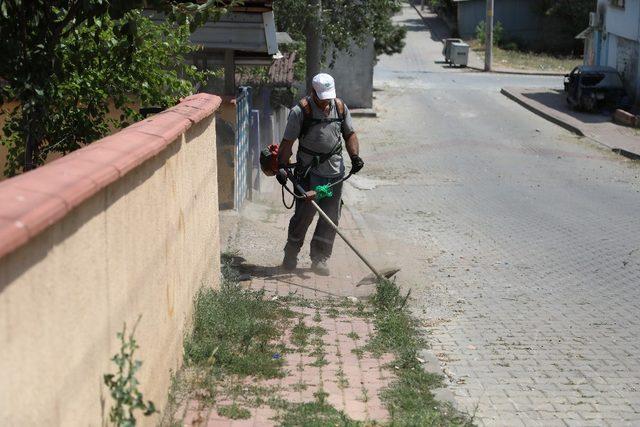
point(518, 18)
point(613, 39)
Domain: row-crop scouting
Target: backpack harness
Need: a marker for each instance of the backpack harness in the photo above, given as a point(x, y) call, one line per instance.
point(309, 121)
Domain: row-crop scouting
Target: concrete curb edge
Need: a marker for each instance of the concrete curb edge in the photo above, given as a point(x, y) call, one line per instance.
point(518, 73)
point(514, 97)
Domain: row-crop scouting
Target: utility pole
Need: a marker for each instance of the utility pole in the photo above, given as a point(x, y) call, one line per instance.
point(313, 33)
point(229, 72)
point(488, 37)
point(421, 4)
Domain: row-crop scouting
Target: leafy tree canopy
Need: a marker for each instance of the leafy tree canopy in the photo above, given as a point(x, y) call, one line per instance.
point(574, 13)
point(68, 63)
point(345, 21)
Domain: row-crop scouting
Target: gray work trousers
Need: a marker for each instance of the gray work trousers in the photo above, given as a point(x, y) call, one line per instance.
point(324, 235)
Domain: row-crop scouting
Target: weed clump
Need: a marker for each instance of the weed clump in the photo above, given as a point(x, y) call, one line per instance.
point(235, 330)
point(408, 398)
point(317, 413)
point(396, 331)
point(234, 412)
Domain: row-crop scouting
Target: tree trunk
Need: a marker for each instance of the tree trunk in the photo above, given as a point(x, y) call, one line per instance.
point(314, 41)
point(488, 37)
point(30, 149)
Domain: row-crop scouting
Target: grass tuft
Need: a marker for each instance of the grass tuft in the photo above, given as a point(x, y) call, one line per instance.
point(235, 330)
point(300, 334)
point(234, 412)
point(237, 333)
point(315, 414)
point(408, 398)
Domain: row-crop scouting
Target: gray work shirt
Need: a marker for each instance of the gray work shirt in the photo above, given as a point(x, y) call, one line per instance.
point(320, 138)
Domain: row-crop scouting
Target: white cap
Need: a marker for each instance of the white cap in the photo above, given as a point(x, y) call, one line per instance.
point(324, 86)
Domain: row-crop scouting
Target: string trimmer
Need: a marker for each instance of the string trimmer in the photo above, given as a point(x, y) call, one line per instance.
point(284, 173)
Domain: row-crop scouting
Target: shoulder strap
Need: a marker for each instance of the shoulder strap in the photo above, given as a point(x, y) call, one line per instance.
point(308, 121)
point(307, 116)
point(305, 106)
point(340, 108)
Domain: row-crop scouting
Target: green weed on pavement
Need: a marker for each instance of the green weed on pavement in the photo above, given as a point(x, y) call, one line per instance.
point(408, 398)
point(237, 333)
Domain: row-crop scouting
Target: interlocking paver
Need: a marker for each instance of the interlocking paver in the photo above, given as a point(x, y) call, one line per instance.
point(521, 239)
point(362, 377)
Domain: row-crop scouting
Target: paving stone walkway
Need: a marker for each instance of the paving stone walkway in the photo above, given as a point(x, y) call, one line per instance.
point(349, 378)
point(352, 379)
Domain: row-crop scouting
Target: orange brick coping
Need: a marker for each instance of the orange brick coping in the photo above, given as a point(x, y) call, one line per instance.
point(33, 201)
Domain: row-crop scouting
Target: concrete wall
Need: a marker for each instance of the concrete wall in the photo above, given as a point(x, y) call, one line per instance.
point(623, 22)
point(622, 42)
point(354, 75)
point(623, 55)
point(517, 17)
point(127, 226)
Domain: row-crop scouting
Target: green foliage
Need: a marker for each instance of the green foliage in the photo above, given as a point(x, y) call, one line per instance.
point(561, 21)
point(344, 22)
point(446, 6)
point(235, 330)
point(67, 62)
point(498, 33)
point(574, 13)
point(318, 413)
point(234, 412)
point(300, 334)
point(408, 398)
point(123, 385)
point(224, 320)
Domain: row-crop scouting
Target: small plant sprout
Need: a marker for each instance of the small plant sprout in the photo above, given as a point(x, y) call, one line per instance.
point(123, 385)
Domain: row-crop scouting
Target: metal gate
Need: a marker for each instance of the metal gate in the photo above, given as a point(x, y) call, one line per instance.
point(243, 159)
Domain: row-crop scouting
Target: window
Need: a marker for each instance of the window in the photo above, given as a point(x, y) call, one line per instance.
point(617, 3)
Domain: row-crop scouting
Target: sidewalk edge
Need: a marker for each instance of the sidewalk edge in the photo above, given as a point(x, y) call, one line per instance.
point(518, 73)
point(516, 98)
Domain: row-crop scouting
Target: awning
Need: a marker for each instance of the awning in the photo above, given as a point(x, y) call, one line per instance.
point(585, 33)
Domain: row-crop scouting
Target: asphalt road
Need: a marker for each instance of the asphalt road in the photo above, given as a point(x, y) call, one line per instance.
point(522, 242)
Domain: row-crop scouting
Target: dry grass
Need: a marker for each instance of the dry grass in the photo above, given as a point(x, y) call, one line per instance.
point(526, 61)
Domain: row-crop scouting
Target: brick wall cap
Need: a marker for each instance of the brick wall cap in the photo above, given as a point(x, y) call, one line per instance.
point(33, 201)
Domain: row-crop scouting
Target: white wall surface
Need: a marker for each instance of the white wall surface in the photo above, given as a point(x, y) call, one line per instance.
point(624, 22)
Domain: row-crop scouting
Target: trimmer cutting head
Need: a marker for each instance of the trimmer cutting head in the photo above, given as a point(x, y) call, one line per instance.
point(371, 278)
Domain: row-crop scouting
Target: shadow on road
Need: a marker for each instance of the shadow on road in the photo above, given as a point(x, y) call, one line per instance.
point(556, 99)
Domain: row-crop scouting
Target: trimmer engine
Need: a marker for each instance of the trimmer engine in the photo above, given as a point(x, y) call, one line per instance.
point(269, 160)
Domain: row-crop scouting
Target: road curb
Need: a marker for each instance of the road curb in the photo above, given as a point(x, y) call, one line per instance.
point(514, 97)
point(518, 73)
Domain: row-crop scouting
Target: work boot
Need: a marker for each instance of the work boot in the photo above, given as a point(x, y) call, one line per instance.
point(290, 260)
point(320, 267)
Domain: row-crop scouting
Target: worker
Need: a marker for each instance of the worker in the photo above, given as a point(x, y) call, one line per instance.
point(321, 123)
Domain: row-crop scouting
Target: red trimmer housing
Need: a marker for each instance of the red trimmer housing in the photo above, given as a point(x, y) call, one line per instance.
point(269, 160)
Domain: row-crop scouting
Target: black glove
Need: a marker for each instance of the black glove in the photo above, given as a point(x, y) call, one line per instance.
point(356, 164)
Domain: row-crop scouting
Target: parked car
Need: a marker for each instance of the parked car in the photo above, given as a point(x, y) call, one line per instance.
point(592, 88)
